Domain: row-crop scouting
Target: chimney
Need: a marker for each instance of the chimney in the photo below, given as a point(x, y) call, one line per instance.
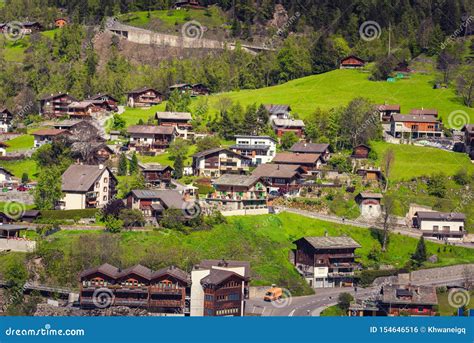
point(101, 166)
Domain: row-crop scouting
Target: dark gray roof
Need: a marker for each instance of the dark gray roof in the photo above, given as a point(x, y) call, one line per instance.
point(55, 95)
point(249, 147)
point(139, 270)
point(151, 130)
point(424, 111)
point(441, 216)
point(315, 148)
point(217, 276)
point(255, 137)
point(369, 195)
point(409, 294)
point(31, 213)
point(173, 115)
point(332, 242)
point(173, 271)
point(296, 158)
point(288, 122)
point(237, 180)
point(208, 264)
point(214, 150)
point(414, 118)
point(80, 178)
point(12, 227)
point(274, 109)
point(142, 90)
point(105, 268)
point(170, 198)
point(154, 167)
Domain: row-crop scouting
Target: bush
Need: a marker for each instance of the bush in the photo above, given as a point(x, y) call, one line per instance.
point(344, 301)
point(48, 215)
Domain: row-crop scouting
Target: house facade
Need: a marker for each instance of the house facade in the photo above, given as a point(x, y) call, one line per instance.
point(361, 151)
point(219, 288)
point(469, 139)
point(326, 261)
point(87, 186)
point(6, 118)
point(144, 97)
point(82, 109)
point(152, 202)
point(386, 111)
point(321, 149)
point(150, 138)
point(218, 161)
point(408, 300)
point(278, 112)
point(46, 136)
point(352, 62)
point(415, 126)
point(156, 175)
point(56, 105)
point(165, 291)
point(441, 225)
point(280, 178)
point(238, 192)
point(309, 162)
point(261, 149)
point(369, 204)
point(180, 120)
point(105, 101)
point(282, 126)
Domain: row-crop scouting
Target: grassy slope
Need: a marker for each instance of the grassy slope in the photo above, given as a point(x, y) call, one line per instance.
point(447, 310)
point(19, 143)
point(20, 167)
point(412, 161)
point(15, 51)
point(338, 87)
point(263, 240)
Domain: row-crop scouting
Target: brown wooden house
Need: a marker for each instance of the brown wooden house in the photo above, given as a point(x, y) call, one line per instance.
point(280, 178)
point(150, 138)
point(55, 105)
point(361, 151)
point(386, 111)
point(82, 109)
point(352, 62)
point(105, 101)
point(309, 162)
point(157, 175)
point(469, 139)
point(6, 118)
point(415, 126)
point(144, 97)
point(409, 300)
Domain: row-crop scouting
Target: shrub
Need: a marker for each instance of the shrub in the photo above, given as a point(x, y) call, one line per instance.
point(68, 214)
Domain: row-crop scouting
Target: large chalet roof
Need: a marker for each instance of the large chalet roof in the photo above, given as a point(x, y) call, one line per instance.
point(288, 123)
point(237, 180)
point(66, 123)
point(409, 294)
point(5, 110)
point(81, 104)
point(440, 216)
point(100, 95)
point(275, 109)
point(285, 171)
point(80, 178)
point(142, 90)
point(424, 111)
point(173, 271)
point(350, 57)
point(214, 150)
point(414, 118)
point(105, 269)
point(388, 107)
point(331, 242)
point(151, 130)
point(217, 276)
point(315, 148)
point(173, 115)
point(216, 264)
point(154, 167)
point(56, 95)
point(369, 195)
point(296, 158)
point(170, 197)
point(49, 132)
point(139, 270)
point(179, 85)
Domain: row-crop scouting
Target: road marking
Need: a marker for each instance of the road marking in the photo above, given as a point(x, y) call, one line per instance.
point(292, 313)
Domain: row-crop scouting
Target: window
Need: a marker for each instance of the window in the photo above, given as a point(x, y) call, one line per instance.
point(233, 297)
point(97, 185)
point(106, 180)
point(209, 312)
point(105, 198)
point(105, 189)
point(208, 297)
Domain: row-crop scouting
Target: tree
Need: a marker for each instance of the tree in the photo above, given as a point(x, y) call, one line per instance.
point(112, 208)
point(263, 117)
point(387, 164)
point(178, 101)
point(173, 219)
point(56, 154)
point(419, 255)
point(131, 217)
point(344, 301)
point(465, 85)
point(178, 166)
point(118, 123)
point(133, 164)
point(383, 68)
point(388, 219)
point(461, 177)
point(25, 178)
point(48, 191)
point(178, 147)
point(437, 185)
point(208, 142)
point(128, 183)
point(113, 224)
point(123, 165)
point(288, 139)
point(250, 122)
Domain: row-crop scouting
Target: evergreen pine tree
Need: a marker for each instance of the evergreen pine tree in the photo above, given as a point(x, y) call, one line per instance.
point(178, 167)
point(420, 253)
point(133, 164)
point(122, 167)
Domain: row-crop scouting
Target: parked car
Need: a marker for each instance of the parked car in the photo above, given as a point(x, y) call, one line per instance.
point(274, 293)
point(22, 188)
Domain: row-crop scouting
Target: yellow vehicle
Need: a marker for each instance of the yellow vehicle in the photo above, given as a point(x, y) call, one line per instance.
point(273, 293)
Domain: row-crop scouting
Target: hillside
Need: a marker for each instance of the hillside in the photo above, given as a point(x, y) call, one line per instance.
point(338, 87)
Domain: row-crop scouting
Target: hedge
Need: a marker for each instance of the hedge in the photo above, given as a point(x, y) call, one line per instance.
point(69, 214)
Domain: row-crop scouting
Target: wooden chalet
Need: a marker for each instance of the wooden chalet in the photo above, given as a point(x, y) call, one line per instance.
point(82, 109)
point(105, 101)
point(144, 97)
point(152, 202)
point(281, 178)
point(361, 151)
point(352, 62)
point(163, 291)
point(409, 300)
point(181, 87)
point(200, 89)
point(326, 261)
point(45, 136)
point(6, 118)
point(386, 111)
point(321, 149)
point(370, 174)
point(180, 120)
point(309, 162)
point(29, 27)
point(469, 139)
point(156, 175)
point(282, 126)
point(56, 105)
point(150, 138)
point(218, 161)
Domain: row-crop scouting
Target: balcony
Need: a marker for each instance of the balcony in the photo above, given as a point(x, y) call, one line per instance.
point(166, 303)
point(166, 290)
point(131, 302)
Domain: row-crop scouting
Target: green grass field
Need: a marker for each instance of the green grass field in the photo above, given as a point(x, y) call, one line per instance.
point(264, 240)
point(19, 143)
point(170, 19)
point(412, 161)
point(20, 167)
point(339, 87)
point(447, 310)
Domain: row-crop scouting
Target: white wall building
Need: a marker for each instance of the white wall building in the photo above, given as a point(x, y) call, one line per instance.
point(261, 149)
point(441, 225)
